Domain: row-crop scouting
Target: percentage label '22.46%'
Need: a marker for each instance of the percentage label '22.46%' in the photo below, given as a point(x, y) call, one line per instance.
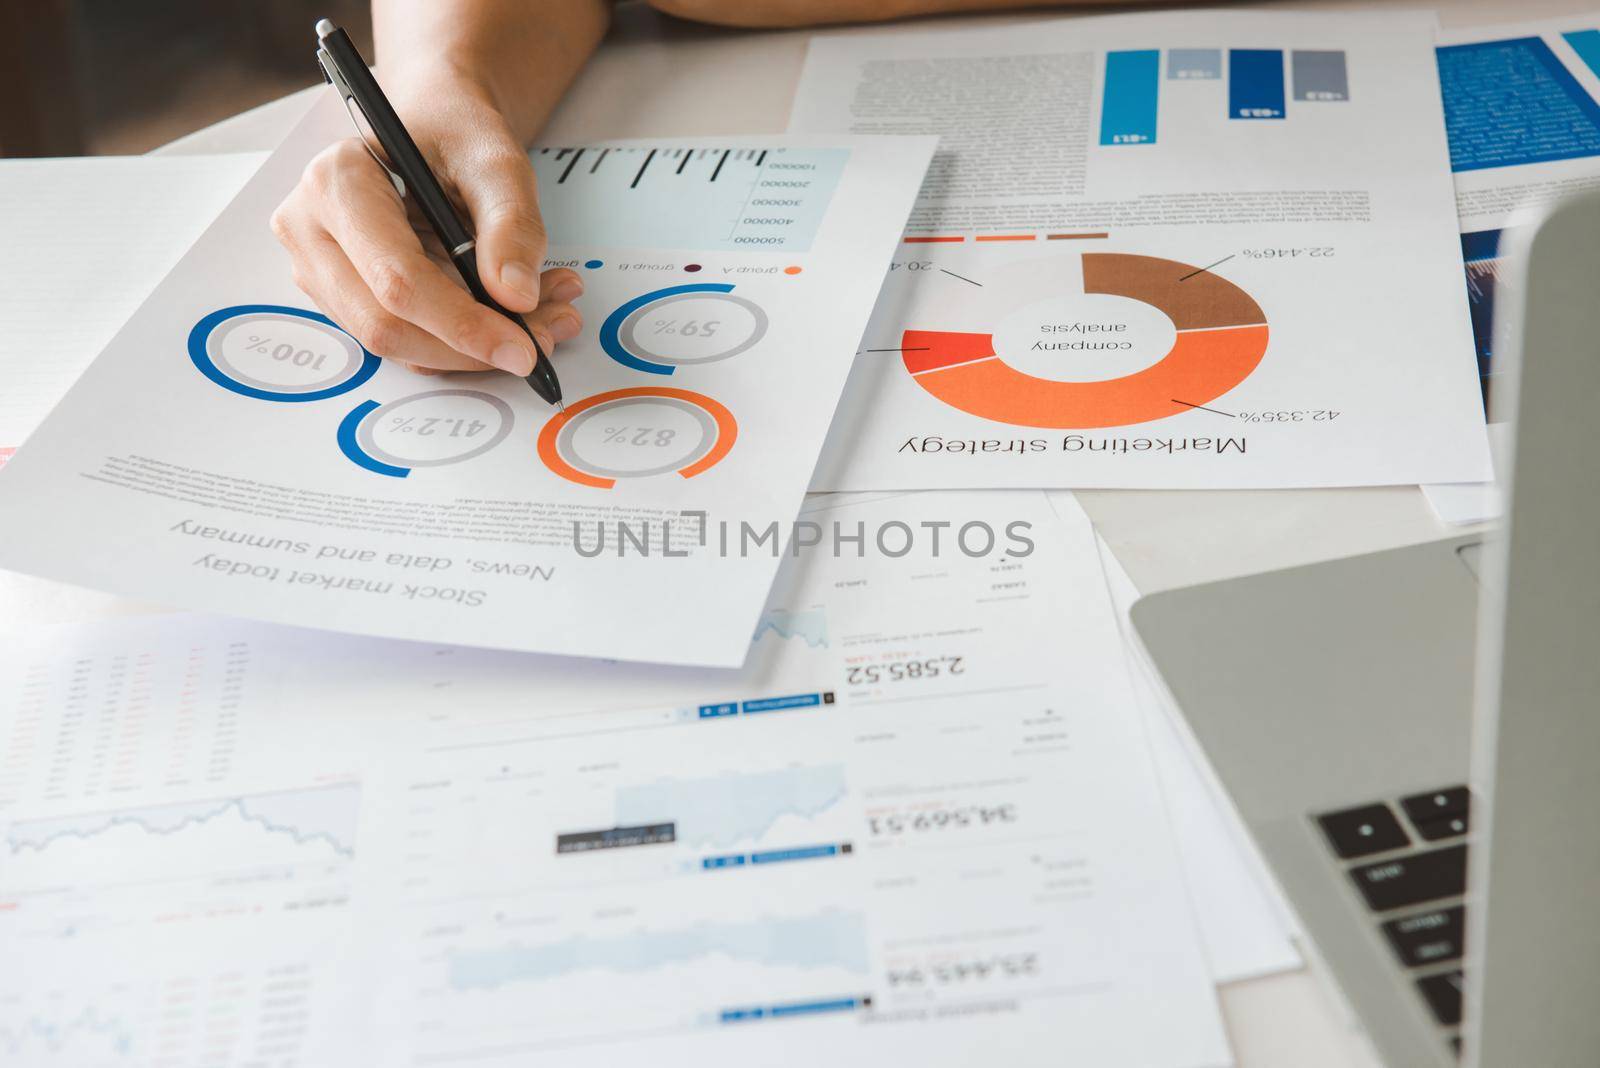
point(639, 435)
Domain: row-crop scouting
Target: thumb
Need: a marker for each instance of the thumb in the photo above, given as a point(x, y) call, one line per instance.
point(504, 203)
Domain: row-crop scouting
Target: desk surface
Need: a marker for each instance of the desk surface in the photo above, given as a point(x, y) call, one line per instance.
point(658, 77)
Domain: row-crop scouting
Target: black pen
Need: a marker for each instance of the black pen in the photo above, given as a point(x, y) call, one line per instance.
point(343, 66)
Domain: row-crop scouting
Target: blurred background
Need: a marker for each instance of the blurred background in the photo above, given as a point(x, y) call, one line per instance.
point(117, 77)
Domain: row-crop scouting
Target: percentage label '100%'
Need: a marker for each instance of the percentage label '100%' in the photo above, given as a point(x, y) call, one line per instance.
point(285, 353)
point(638, 435)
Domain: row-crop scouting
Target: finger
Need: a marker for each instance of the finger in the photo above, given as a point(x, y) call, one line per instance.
point(560, 283)
point(364, 215)
point(504, 203)
point(554, 322)
point(328, 277)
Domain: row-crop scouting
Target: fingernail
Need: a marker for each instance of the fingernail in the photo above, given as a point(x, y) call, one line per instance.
point(522, 278)
point(571, 289)
point(512, 358)
point(565, 328)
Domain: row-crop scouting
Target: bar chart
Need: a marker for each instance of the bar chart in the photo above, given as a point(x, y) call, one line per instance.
point(1260, 82)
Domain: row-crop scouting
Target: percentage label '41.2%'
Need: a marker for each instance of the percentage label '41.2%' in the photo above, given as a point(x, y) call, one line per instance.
point(427, 426)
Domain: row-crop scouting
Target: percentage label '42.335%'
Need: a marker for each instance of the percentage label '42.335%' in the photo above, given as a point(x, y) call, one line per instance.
point(1293, 415)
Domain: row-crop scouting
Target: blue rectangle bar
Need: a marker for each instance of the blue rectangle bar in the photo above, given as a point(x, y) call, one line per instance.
point(1587, 44)
point(732, 860)
point(778, 856)
point(776, 704)
point(1128, 104)
point(1320, 75)
point(1194, 64)
point(729, 708)
point(805, 1008)
point(1255, 83)
point(740, 1015)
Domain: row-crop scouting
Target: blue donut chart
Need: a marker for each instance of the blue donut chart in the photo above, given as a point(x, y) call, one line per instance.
point(610, 330)
point(352, 448)
point(206, 366)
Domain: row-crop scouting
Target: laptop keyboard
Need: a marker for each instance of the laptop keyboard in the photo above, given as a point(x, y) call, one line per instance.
point(1409, 865)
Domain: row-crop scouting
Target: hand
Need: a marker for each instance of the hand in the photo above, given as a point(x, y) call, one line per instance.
point(380, 273)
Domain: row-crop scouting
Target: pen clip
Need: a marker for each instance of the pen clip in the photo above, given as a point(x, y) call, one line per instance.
point(358, 117)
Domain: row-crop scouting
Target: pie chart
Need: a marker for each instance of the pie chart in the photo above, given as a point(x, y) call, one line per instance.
point(1220, 337)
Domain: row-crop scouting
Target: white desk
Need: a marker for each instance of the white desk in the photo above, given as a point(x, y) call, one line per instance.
point(656, 77)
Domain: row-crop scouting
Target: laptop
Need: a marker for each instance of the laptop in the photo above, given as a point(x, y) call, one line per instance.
point(1412, 738)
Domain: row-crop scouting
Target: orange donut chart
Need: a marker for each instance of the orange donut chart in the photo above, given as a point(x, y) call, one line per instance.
point(1222, 336)
point(549, 435)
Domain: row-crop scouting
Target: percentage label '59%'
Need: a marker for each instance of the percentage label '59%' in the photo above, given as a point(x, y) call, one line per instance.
point(691, 328)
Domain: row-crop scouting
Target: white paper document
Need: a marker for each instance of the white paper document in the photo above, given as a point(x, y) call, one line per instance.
point(919, 824)
point(1243, 921)
point(1181, 250)
point(234, 450)
point(1522, 110)
point(86, 240)
point(177, 842)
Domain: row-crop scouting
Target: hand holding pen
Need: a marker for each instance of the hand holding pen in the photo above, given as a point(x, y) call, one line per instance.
point(380, 271)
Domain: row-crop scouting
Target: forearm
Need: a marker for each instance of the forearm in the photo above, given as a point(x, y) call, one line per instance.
point(520, 54)
point(769, 13)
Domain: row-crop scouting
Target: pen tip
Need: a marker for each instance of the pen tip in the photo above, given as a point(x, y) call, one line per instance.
point(560, 407)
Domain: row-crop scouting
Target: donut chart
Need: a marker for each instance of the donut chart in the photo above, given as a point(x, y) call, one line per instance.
point(1221, 338)
point(276, 353)
point(681, 326)
point(432, 429)
point(637, 433)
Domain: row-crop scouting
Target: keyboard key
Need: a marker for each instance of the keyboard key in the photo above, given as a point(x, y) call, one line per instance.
point(1428, 937)
point(1436, 805)
point(1356, 832)
point(1395, 884)
point(1438, 830)
point(1443, 995)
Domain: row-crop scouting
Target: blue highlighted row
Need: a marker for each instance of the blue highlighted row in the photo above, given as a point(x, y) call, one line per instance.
point(765, 704)
point(793, 1008)
point(774, 856)
point(1513, 102)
